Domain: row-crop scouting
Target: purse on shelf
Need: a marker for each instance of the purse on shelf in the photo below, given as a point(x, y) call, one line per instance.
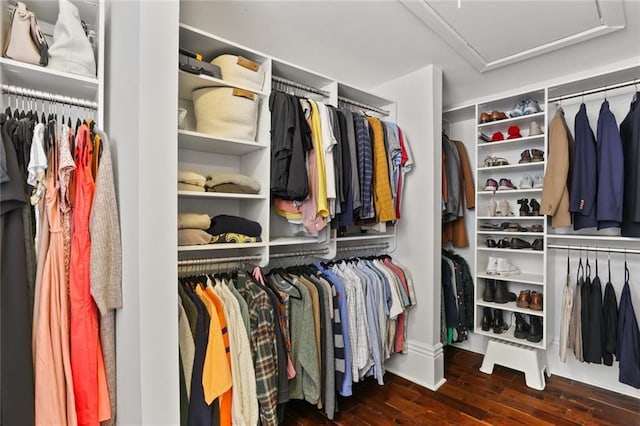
point(71, 50)
point(25, 42)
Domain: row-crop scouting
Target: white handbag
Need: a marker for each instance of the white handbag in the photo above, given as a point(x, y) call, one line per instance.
point(25, 42)
point(226, 112)
point(71, 50)
point(241, 71)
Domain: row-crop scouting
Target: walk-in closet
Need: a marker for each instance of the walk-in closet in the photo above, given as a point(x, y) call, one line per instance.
point(352, 213)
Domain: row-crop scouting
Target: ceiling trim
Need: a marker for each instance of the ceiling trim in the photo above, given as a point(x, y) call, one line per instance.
point(611, 19)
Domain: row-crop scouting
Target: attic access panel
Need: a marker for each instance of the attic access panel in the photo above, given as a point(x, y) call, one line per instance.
point(493, 34)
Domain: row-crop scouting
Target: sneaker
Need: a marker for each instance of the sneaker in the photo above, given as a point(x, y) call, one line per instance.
point(504, 209)
point(505, 267)
point(517, 110)
point(506, 185)
point(531, 107)
point(526, 182)
point(538, 181)
point(492, 265)
point(491, 185)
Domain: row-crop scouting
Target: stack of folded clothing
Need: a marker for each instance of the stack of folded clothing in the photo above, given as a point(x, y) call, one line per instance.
point(232, 182)
point(192, 229)
point(190, 181)
point(234, 229)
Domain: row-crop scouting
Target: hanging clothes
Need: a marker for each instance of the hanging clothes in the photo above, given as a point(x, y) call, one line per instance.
point(582, 196)
point(575, 324)
point(566, 315)
point(610, 170)
point(458, 171)
point(457, 298)
point(630, 135)
point(628, 338)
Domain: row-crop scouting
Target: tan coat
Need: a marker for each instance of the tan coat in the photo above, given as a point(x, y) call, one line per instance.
point(555, 194)
point(456, 231)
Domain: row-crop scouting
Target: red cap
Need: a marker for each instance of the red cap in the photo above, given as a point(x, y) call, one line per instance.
point(514, 132)
point(497, 136)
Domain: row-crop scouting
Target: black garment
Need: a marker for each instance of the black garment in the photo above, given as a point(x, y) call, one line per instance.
point(223, 223)
point(467, 280)
point(595, 325)
point(345, 218)
point(281, 350)
point(451, 308)
point(610, 314)
point(17, 403)
point(200, 414)
point(584, 314)
point(630, 134)
point(184, 399)
point(628, 339)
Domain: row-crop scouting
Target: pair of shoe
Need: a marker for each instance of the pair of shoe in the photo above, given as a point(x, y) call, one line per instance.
point(501, 266)
point(503, 185)
point(490, 161)
point(492, 319)
point(497, 292)
point(531, 155)
point(527, 182)
point(524, 207)
point(513, 243)
point(525, 107)
point(530, 299)
point(501, 208)
point(532, 332)
point(486, 117)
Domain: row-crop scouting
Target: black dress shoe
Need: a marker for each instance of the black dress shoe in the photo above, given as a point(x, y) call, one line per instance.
point(538, 244)
point(502, 293)
point(519, 243)
point(487, 319)
point(522, 328)
point(491, 242)
point(535, 332)
point(499, 325)
point(488, 295)
point(503, 243)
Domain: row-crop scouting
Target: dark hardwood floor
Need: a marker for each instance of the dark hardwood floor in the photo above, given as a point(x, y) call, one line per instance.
point(470, 397)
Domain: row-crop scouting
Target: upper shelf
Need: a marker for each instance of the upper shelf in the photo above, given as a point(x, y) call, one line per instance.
point(196, 141)
point(523, 122)
point(45, 79)
point(188, 82)
point(211, 46)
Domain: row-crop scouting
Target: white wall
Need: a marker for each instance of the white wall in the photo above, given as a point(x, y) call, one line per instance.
point(141, 94)
point(419, 114)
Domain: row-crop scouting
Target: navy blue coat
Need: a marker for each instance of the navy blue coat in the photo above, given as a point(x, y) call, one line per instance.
point(582, 196)
point(628, 352)
point(630, 133)
point(610, 170)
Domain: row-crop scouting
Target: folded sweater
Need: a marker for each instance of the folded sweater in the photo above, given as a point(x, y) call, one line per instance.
point(232, 182)
point(193, 221)
point(191, 178)
point(223, 224)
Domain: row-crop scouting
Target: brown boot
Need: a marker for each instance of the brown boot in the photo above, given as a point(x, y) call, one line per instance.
point(537, 155)
point(525, 157)
point(536, 301)
point(524, 299)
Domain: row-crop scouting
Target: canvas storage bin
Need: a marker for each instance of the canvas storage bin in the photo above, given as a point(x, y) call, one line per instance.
point(241, 71)
point(226, 112)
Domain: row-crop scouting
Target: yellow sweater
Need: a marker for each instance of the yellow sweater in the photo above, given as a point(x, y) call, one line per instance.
point(383, 197)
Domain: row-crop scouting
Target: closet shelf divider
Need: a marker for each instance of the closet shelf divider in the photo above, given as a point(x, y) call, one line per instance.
point(229, 246)
point(220, 195)
point(511, 142)
point(509, 306)
point(524, 278)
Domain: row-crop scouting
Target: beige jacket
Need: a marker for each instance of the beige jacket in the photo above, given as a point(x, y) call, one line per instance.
point(555, 194)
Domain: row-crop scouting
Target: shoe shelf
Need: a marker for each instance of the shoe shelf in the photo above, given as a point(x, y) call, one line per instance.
point(503, 218)
point(509, 306)
point(498, 250)
point(518, 233)
point(511, 191)
point(522, 121)
point(508, 336)
point(536, 279)
point(519, 166)
point(508, 143)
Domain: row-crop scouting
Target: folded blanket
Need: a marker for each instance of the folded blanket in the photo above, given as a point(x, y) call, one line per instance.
point(191, 178)
point(223, 224)
point(231, 237)
point(193, 221)
point(192, 237)
point(190, 187)
point(232, 182)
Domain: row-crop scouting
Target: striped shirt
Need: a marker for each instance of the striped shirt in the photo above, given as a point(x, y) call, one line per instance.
point(365, 166)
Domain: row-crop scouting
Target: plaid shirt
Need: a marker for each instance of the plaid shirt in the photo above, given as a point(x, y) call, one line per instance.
point(263, 347)
point(365, 166)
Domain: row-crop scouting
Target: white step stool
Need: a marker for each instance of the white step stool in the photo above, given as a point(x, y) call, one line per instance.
point(532, 362)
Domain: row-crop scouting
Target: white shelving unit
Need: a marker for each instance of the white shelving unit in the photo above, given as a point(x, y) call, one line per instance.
point(530, 262)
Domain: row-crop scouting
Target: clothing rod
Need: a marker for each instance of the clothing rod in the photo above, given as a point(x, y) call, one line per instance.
point(191, 262)
point(598, 249)
point(299, 253)
point(598, 90)
point(304, 87)
point(365, 106)
point(46, 96)
point(364, 247)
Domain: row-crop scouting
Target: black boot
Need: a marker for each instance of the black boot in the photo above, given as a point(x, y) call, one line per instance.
point(522, 328)
point(487, 319)
point(489, 290)
point(502, 292)
point(535, 332)
point(499, 326)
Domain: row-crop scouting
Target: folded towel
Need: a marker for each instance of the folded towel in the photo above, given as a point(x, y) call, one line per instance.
point(231, 237)
point(192, 237)
point(232, 182)
point(193, 221)
point(191, 178)
point(223, 224)
point(190, 187)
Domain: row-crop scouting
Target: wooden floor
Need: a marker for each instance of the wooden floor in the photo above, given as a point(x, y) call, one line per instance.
point(470, 397)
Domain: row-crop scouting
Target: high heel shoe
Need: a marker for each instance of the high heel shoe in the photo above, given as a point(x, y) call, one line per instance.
point(535, 207)
point(524, 207)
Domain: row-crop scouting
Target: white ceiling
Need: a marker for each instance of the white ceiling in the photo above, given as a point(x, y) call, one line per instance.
point(368, 42)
